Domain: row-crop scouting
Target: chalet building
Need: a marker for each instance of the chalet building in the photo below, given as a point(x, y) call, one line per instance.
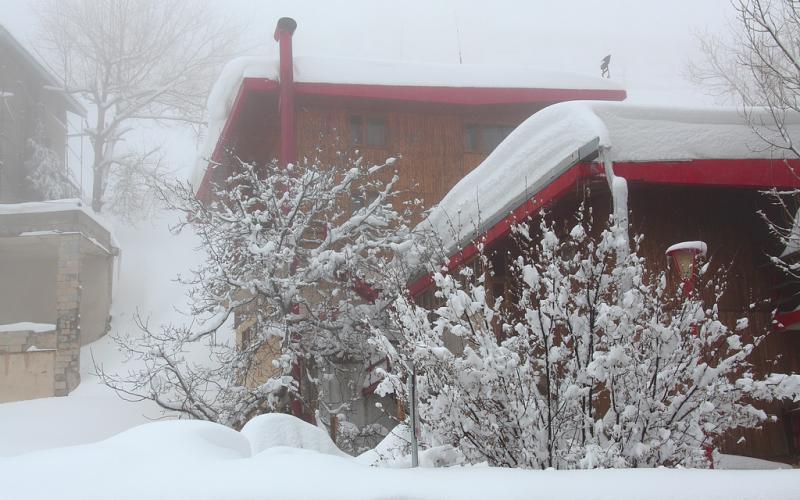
point(439, 121)
point(691, 175)
point(56, 257)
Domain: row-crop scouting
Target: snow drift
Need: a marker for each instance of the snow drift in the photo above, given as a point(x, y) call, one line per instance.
point(206, 461)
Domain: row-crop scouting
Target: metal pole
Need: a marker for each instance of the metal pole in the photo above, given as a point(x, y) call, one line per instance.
point(412, 391)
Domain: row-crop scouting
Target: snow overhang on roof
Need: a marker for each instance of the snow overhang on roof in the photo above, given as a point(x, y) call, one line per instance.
point(400, 81)
point(648, 140)
point(49, 80)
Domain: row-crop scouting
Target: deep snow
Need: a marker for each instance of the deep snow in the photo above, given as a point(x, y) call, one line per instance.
point(205, 461)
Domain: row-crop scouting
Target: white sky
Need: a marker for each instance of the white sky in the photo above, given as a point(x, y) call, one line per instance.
point(651, 41)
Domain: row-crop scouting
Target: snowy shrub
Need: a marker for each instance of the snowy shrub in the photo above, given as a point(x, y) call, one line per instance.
point(305, 271)
point(47, 175)
point(594, 361)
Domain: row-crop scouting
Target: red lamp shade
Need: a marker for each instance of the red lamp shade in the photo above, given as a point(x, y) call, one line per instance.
point(684, 256)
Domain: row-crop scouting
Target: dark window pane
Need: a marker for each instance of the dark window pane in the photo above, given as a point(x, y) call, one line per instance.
point(471, 138)
point(492, 137)
point(376, 132)
point(356, 130)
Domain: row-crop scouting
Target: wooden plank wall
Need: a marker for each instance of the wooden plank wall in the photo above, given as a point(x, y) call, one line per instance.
point(429, 145)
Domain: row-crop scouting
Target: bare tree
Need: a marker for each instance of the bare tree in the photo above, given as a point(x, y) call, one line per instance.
point(133, 60)
point(757, 65)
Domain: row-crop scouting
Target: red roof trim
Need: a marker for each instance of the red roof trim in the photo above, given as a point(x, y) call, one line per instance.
point(784, 321)
point(553, 191)
point(465, 96)
point(468, 96)
point(752, 174)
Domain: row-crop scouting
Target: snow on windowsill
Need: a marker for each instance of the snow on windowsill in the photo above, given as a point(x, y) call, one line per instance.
point(27, 327)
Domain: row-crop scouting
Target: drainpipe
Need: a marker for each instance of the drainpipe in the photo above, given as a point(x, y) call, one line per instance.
point(283, 35)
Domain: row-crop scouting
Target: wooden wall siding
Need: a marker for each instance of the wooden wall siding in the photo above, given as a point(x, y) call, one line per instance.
point(429, 144)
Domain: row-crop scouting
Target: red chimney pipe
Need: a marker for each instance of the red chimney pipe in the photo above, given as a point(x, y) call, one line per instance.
point(283, 35)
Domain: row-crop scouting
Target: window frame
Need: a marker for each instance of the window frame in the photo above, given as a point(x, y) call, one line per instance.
point(365, 119)
point(480, 129)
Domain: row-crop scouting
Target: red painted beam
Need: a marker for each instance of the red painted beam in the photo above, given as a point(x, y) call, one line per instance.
point(752, 173)
point(456, 95)
point(785, 320)
point(749, 173)
point(531, 207)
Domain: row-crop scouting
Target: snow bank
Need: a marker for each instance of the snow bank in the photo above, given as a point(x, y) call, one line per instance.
point(205, 461)
point(279, 429)
point(539, 150)
point(376, 72)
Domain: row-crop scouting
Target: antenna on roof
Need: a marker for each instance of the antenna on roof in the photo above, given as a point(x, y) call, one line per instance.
point(458, 36)
point(605, 71)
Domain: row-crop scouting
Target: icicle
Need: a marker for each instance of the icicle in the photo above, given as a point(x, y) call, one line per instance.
point(619, 195)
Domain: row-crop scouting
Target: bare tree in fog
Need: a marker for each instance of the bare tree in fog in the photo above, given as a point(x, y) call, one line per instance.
point(133, 60)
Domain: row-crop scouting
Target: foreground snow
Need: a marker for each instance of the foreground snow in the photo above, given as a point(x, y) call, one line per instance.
point(205, 461)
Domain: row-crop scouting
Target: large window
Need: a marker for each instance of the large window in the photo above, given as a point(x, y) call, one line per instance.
point(484, 138)
point(368, 131)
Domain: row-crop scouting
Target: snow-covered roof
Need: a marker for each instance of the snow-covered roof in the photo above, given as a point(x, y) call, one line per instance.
point(342, 71)
point(541, 148)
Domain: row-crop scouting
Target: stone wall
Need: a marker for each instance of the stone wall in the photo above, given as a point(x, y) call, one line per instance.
point(27, 364)
point(68, 301)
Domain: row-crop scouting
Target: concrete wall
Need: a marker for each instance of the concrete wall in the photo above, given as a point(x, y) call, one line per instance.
point(27, 290)
point(96, 276)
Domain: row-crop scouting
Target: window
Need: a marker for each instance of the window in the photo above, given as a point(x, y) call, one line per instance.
point(484, 138)
point(368, 131)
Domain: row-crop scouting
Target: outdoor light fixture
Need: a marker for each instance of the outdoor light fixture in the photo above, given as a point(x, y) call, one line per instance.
point(684, 258)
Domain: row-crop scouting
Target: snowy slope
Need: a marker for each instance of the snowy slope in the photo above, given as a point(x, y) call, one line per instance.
point(149, 260)
point(527, 160)
point(205, 461)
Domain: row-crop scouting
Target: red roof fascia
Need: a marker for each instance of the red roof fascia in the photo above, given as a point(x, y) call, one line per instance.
point(467, 96)
point(751, 173)
point(784, 321)
point(552, 192)
point(456, 95)
point(248, 85)
point(754, 173)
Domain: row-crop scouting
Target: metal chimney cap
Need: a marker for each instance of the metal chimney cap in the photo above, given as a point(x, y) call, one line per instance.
point(285, 24)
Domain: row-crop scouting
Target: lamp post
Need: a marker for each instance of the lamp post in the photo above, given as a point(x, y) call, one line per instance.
point(684, 258)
